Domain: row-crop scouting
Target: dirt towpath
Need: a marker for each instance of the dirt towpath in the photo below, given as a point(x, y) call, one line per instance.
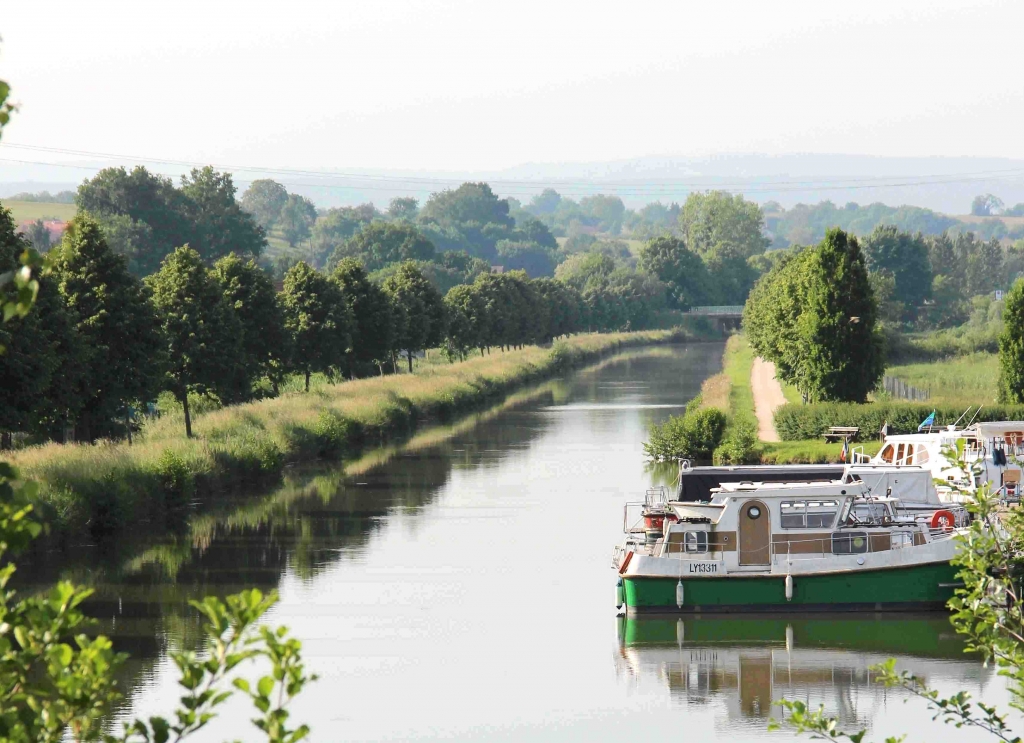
point(767, 397)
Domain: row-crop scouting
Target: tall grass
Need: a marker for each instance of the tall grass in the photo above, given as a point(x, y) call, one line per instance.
point(972, 379)
point(152, 485)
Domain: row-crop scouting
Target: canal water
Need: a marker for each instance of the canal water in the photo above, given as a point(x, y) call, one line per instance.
point(460, 588)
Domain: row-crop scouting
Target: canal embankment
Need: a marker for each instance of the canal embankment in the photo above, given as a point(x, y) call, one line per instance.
point(153, 484)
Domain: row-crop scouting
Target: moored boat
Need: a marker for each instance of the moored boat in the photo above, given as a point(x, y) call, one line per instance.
point(821, 546)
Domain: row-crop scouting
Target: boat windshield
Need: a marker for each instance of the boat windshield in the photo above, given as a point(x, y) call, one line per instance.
point(870, 513)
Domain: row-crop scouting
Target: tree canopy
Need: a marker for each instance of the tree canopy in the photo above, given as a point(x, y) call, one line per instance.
point(814, 316)
point(264, 200)
point(379, 244)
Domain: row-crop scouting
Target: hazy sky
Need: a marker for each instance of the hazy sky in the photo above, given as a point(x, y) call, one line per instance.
point(482, 85)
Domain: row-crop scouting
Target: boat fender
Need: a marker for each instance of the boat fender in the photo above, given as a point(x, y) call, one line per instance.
point(625, 562)
point(789, 588)
point(943, 519)
point(680, 594)
point(620, 594)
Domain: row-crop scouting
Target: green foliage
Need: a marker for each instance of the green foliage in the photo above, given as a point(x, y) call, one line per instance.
point(403, 207)
point(219, 226)
point(264, 200)
point(806, 224)
point(318, 320)
point(716, 218)
point(693, 435)
point(469, 203)
point(6, 107)
point(466, 314)
point(985, 205)
point(379, 244)
point(423, 307)
point(123, 358)
point(795, 422)
point(336, 226)
point(296, 219)
point(202, 332)
point(149, 217)
point(373, 325)
point(526, 256)
point(814, 317)
point(266, 345)
point(682, 270)
point(1011, 347)
point(904, 257)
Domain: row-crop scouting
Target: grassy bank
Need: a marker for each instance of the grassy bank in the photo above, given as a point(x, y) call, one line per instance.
point(731, 392)
point(968, 380)
point(153, 484)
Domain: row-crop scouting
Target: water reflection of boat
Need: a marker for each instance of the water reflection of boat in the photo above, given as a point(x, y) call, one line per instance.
point(741, 664)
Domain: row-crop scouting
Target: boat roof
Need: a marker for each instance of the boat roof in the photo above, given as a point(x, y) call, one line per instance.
point(785, 489)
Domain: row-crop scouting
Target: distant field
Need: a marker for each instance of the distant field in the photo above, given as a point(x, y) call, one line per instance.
point(33, 210)
point(1008, 221)
point(967, 379)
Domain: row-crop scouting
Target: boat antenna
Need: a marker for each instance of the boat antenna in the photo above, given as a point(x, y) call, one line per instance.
point(962, 416)
point(975, 414)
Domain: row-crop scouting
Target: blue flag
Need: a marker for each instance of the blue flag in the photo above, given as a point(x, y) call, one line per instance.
point(929, 421)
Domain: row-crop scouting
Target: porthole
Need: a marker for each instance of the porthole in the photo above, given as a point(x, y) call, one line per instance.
point(754, 512)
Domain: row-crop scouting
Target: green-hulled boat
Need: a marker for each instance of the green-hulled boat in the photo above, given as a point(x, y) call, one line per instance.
point(823, 546)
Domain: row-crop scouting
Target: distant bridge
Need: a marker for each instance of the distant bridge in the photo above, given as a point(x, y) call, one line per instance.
point(721, 310)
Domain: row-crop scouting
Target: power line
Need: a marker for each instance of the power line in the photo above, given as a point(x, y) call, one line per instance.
point(665, 189)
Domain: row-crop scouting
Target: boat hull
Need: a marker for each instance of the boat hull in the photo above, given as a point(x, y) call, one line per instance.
point(906, 588)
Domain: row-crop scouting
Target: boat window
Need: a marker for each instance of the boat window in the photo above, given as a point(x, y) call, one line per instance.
point(886, 453)
point(695, 541)
point(808, 514)
point(869, 513)
point(921, 456)
point(849, 542)
point(910, 454)
point(899, 454)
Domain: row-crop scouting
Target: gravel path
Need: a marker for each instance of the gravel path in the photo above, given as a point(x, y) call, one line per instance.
point(767, 397)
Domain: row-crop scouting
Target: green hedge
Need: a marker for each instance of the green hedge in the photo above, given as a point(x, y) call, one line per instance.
point(796, 422)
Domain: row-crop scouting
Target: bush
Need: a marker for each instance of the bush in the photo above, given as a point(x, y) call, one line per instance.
point(740, 446)
point(693, 435)
point(796, 422)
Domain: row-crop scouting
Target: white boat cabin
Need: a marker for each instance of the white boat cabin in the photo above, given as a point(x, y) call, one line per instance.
point(992, 452)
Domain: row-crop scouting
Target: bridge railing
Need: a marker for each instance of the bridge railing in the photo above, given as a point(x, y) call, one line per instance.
point(733, 310)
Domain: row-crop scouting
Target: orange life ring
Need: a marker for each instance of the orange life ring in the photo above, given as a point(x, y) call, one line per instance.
point(944, 520)
point(625, 562)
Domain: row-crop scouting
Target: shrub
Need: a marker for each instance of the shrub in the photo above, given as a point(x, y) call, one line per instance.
point(693, 435)
point(796, 422)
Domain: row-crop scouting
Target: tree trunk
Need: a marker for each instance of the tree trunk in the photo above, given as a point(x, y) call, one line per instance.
point(381, 367)
point(307, 380)
point(128, 423)
point(6, 441)
point(188, 416)
point(409, 356)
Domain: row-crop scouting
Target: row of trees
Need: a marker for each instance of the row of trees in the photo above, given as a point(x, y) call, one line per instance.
point(102, 341)
point(814, 316)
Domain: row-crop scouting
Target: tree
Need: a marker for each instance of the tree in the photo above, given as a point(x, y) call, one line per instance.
point(607, 211)
point(317, 319)
point(249, 292)
point(466, 320)
point(403, 207)
point(264, 200)
point(470, 202)
point(1011, 347)
point(814, 316)
point(715, 218)
point(336, 226)
point(219, 225)
point(112, 313)
point(533, 230)
point(144, 198)
point(132, 239)
point(381, 243)
point(984, 206)
point(585, 269)
point(373, 326)
point(526, 256)
point(297, 219)
point(424, 310)
point(904, 257)
point(545, 202)
point(682, 270)
point(202, 333)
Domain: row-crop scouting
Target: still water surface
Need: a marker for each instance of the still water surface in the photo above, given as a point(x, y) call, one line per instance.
point(460, 589)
